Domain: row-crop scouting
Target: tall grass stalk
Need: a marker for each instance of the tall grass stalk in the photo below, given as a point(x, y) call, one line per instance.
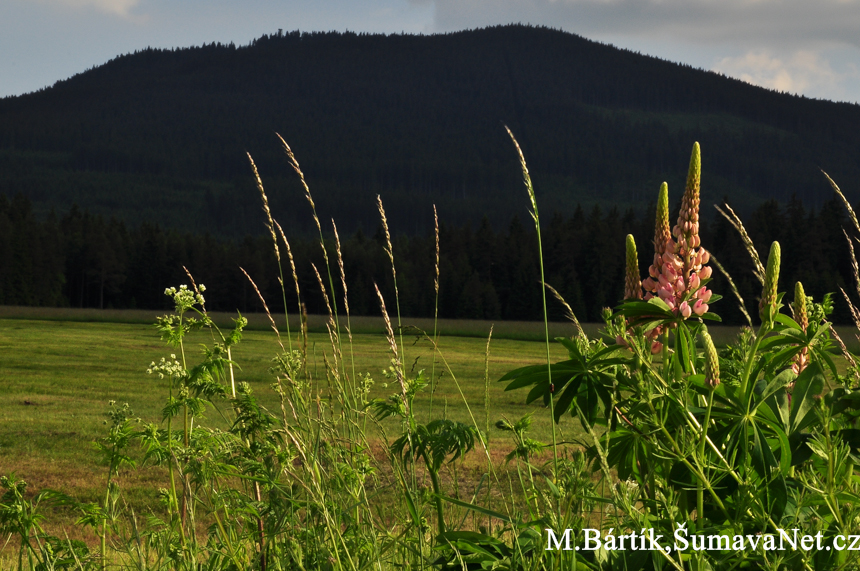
point(353, 378)
point(536, 217)
point(302, 339)
point(433, 380)
point(270, 226)
point(389, 249)
point(294, 163)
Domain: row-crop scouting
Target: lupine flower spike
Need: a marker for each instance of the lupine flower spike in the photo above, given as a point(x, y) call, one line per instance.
point(680, 265)
point(632, 280)
point(712, 361)
point(801, 316)
point(662, 237)
point(767, 306)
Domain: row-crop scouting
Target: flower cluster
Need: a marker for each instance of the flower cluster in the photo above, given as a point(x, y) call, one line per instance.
point(171, 368)
point(184, 298)
point(679, 266)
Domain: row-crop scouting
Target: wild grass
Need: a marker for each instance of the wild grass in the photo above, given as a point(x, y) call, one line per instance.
point(245, 450)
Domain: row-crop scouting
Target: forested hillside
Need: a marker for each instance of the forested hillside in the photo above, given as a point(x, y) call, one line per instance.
point(161, 135)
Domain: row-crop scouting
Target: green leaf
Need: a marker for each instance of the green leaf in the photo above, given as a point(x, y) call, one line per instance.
point(784, 446)
point(563, 403)
point(479, 509)
point(777, 497)
point(778, 382)
point(804, 397)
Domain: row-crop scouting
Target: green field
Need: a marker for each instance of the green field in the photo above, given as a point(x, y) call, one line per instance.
point(60, 369)
point(58, 377)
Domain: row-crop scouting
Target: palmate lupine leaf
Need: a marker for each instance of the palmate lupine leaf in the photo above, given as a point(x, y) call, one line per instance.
point(584, 377)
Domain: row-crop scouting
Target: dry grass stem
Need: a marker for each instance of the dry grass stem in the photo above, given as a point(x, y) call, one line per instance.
point(295, 164)
point(389, 249)
point(568, 311)
point(325, 294)
point(292, 261)
point(335, 347)
point(436, 223)
point(845, 352)
point(389, 332)
point(844, 201)
point(304, 310)
point(269, 223)
point(526, 176)
point(735, 221)
point(342, 278)
point(854, 267)
point(855, 314)
point(265, 308)
point(733, 287)
point(487, 389)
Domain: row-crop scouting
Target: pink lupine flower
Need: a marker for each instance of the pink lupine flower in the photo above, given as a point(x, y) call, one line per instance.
point(656, 347)
point(679, 269)
point(694, 282)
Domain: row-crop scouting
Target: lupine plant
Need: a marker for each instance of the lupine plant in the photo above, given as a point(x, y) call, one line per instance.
point(720, 453)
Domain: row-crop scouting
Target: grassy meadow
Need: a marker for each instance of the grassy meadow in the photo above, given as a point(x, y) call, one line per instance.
point(59, 376)
point(61, 367)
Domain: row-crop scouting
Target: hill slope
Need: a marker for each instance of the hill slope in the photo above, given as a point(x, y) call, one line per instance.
point(161, 135)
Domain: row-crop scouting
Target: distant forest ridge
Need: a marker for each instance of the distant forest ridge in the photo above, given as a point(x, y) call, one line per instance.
point(160, 136)
point(83, 260)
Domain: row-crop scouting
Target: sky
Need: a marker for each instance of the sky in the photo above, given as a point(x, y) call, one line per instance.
point(809, 47)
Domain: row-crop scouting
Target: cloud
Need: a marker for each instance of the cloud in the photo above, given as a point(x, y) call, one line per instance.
point(803, 71)
point(700, 21)
point(122, 8)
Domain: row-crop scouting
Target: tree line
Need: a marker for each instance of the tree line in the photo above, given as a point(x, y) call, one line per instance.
point(80, 259)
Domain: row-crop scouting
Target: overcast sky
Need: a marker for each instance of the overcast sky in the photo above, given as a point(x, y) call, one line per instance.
point(800, 46)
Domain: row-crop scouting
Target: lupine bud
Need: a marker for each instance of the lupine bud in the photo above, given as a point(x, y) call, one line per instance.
point(712, 362)
point(632, 283)
point(799, 306)
point(801, 315)
point(662, 233)
point(688, 218)
point(695, 282)
point(767, 306)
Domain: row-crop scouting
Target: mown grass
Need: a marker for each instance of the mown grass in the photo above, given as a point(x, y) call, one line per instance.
point(58, 377)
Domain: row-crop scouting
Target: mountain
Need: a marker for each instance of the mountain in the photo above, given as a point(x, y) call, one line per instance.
point(161, 135)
